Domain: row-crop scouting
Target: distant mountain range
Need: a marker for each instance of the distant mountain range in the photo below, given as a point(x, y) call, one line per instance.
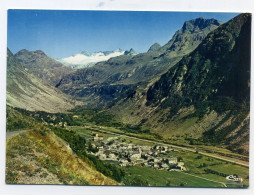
point(105, 81)
point(86, 59)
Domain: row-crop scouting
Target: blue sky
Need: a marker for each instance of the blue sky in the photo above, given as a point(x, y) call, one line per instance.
point(64, 33)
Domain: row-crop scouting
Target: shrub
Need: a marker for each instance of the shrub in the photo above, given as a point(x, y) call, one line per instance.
point(136, 181)
point(77, 144)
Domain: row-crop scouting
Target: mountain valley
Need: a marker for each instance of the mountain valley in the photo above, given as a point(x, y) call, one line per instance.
point(179, 112)
point(121, 73)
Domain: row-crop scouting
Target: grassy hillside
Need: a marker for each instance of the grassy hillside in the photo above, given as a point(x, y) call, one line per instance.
point(18, 121)
point(40, 157)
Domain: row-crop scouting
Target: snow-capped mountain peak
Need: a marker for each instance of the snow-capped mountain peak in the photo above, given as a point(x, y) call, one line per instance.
point(86, 58)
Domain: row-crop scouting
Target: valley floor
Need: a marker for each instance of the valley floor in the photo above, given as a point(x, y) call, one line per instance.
point(210, 152)
point(35, 157)
point(208, 170)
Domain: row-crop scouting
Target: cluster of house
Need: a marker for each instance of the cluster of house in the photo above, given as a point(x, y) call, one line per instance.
point(127, 154)
point(234, 178)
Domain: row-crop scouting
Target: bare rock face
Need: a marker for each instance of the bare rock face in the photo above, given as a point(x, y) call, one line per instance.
point(190, 36)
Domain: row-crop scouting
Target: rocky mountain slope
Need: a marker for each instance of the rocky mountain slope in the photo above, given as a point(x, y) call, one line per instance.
point(204, 96)
point(189, 36)
point(27, 91)
point(42, 66)
point(121, 73)
point(154, 48)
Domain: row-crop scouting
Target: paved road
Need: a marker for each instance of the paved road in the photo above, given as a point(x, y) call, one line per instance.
point(242, 163)
point(12, 133)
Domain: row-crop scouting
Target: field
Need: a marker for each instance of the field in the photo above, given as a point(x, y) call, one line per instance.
point(202, 170)
point(165, 178)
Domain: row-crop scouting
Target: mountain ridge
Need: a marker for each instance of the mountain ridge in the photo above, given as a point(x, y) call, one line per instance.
point(154, 48)
point(25, 90)
point(205, 95)
point(195, 30)
point(41, 65)
point(126, 70)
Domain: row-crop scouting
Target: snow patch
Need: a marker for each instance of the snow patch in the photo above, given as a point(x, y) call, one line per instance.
point(85, 59)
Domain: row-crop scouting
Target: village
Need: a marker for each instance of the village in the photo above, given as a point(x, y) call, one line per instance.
point(129, 154)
